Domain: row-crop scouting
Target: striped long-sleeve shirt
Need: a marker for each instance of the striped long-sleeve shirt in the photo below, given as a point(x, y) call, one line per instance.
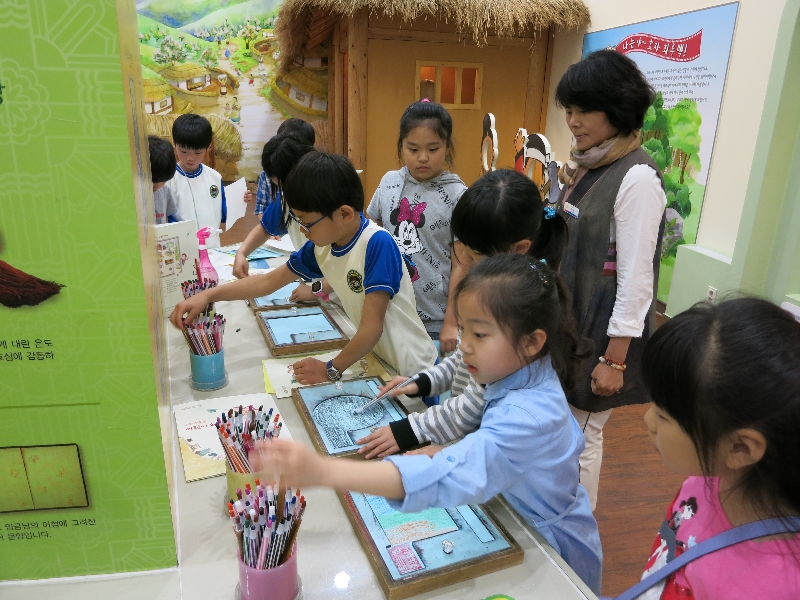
point(459, 415)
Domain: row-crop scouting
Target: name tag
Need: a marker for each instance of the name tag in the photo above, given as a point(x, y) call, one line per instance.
point(571, 210)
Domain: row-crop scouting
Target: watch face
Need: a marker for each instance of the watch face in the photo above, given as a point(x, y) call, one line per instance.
point(316, 286)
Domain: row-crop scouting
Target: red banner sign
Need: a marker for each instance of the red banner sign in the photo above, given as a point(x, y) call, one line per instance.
point(680, 50)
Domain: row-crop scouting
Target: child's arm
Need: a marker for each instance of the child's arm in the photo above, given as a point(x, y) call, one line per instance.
point(298, 465)
point(253, 240)
point(448, 336)
point(311, 370)
point(249, 287)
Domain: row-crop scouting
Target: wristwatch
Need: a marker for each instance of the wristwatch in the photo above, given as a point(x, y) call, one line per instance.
point(316, 288)
point(334, 374)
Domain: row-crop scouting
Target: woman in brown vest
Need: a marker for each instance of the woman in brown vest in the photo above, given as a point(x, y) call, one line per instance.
point(613, 202)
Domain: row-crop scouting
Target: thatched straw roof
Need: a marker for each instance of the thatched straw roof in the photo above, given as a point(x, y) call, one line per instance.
point(479, 18)
point(227, 140)
point(306, 80)
point(155, 87)
point(183, 72)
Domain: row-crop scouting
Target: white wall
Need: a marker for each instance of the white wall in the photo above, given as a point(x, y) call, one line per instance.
point(751, 58)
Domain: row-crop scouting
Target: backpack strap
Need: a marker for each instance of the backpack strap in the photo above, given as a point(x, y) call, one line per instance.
point(722, 540)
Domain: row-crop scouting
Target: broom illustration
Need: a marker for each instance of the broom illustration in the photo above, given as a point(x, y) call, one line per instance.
point(18, 288)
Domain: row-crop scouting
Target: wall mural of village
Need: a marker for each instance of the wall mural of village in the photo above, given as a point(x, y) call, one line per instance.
point(220, 59)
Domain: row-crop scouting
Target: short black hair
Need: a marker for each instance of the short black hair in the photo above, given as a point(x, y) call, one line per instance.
point(609, 82)
point(322, 182)
point(431, 115)
point(192, 132)
point(280, 155)
point(162, 159)
point(302, 130)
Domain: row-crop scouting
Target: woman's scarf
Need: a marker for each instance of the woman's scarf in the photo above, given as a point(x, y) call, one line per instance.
point(597, 156)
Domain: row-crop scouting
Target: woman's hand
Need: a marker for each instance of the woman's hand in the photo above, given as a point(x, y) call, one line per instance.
point(241, 267)
point(310, 370)
point(379, 443)
point(294, 464)
point(411, 389)
point(429, 450)
point(606, 380)
point(302, 293)
point(448, 338)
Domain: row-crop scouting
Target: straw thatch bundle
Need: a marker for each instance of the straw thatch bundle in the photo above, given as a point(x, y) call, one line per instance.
point(306, 80)
point(227, 140)
point(183, 72)
point(478, 18)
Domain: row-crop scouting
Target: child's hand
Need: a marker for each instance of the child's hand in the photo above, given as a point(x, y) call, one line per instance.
point(296, 465)
point(448, 338)
point(379, 443)
point(249, 196)
point(310, 370)
point(411, 389)
point(429, 450)
point(191, 307)
point(302, 293)
point(276, 237)
point(241, 268)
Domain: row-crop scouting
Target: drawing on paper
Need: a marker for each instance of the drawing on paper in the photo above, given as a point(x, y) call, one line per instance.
point(405, 528)
point(330, 417)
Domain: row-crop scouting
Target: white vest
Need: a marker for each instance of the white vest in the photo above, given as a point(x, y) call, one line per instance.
point(404, 343)
point(196, 199)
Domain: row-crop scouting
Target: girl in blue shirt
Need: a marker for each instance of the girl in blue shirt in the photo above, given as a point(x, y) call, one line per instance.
point(518, 339)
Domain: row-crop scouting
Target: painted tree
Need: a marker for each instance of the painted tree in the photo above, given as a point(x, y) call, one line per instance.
point(684, 137)
point(208, 58)
point(170, 51)
point(248, 33)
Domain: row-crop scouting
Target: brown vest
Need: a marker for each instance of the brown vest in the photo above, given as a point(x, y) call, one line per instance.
point(595, 292)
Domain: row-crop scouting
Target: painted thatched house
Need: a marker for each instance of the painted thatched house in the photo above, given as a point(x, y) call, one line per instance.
point(186, 76)
point(473, 56)
point(157, 93)
point(304, 89)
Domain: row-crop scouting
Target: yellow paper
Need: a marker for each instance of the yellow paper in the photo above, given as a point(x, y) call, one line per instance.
point(268, 387)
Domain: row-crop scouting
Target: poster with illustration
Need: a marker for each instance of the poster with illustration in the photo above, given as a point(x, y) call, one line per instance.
point(223, 62)
point(685, 58)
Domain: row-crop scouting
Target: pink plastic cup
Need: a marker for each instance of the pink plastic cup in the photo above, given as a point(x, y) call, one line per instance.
point(279, 583)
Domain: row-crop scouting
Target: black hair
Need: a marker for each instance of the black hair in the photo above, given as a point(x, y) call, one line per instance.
point(323, 182)
point(162, 159)
point(524, 295)
point(302, 130)
point(609, 82)
point(504, 207)
point(436, 118)
point(280, 155)
point(718, 368)
point(192, 131)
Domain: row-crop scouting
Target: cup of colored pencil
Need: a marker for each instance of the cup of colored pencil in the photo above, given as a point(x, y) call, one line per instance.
point(238, 431)
point(204, 337)
point(265, 521)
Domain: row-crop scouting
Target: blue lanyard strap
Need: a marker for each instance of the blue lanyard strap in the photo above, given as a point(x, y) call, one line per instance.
point(722, 540)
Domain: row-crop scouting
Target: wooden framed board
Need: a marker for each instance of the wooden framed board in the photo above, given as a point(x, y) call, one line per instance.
point(278, 299)
point(407, 550)
point(300, 330)
point(328, 413)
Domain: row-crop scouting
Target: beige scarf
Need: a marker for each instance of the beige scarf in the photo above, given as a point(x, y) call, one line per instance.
point(597, 156)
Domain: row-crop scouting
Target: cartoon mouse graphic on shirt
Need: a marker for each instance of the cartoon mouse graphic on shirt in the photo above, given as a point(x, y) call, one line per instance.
point(407, 220)
point(665, 549)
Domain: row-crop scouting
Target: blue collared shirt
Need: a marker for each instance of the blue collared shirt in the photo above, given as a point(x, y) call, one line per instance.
point(266, 193)
point(526, 448)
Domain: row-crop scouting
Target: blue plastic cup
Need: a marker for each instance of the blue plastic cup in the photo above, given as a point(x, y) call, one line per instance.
point(208, 372)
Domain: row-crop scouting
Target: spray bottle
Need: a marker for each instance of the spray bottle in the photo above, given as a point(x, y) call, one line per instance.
point(207, 270)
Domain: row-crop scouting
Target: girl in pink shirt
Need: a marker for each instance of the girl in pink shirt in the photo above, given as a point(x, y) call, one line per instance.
point(725, 384)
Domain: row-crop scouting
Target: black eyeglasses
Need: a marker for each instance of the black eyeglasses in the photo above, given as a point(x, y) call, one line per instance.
point(303, 227)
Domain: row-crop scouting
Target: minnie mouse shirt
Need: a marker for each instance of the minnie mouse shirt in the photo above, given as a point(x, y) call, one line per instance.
point(417, 214)
point(753, 569)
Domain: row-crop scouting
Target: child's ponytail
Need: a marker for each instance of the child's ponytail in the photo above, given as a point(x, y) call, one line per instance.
point(524, 295)
point(505, 207)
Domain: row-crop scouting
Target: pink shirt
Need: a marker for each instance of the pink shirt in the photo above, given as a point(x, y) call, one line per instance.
point(746, 571)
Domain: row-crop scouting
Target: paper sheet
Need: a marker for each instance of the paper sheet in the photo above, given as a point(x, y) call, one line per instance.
point(234, 199)
point(285, 244)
